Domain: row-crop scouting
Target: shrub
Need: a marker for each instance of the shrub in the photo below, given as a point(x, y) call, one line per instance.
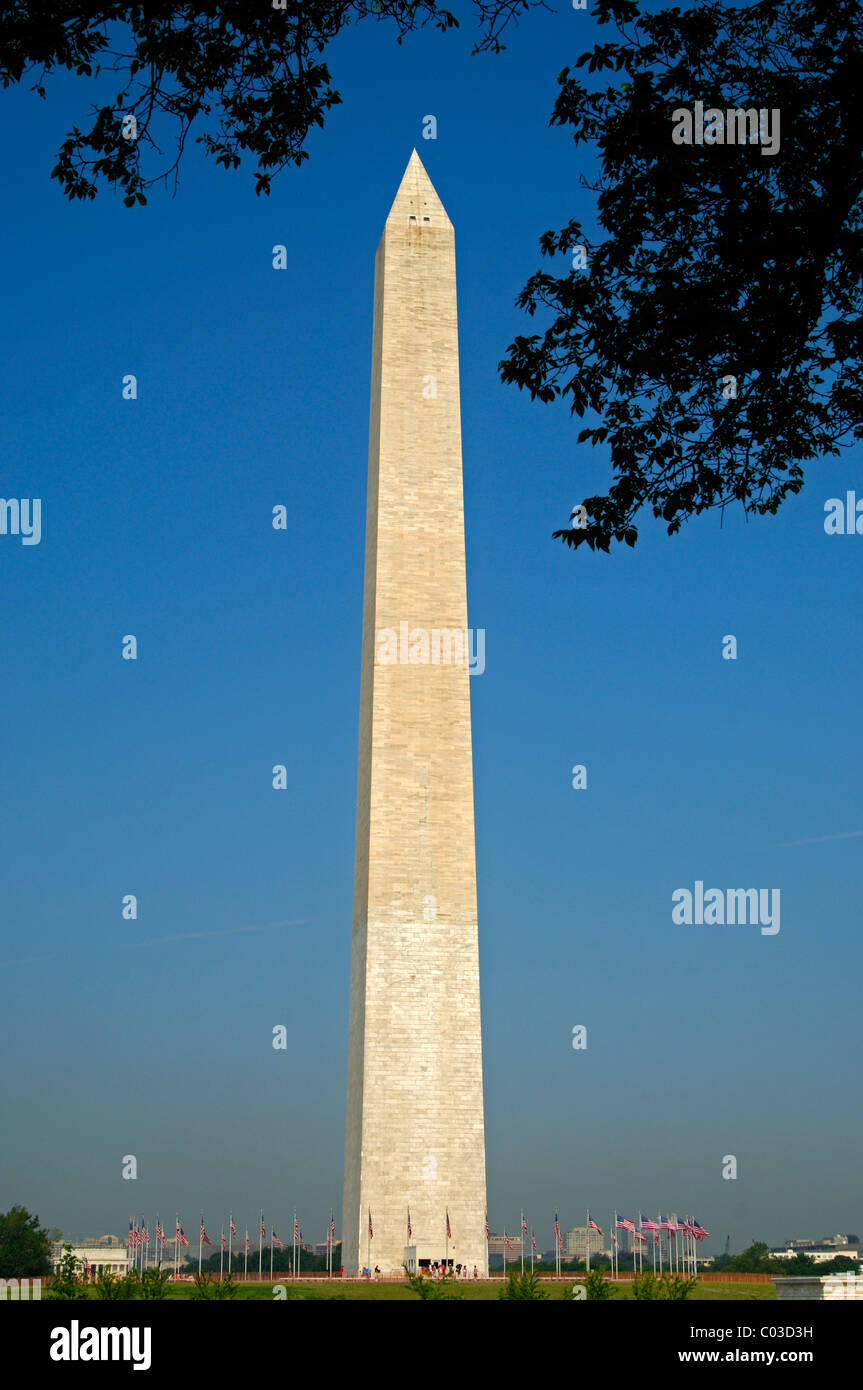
point(598, 1287)
point(522, 1286)
point(646, 1287)
point(207, 1287)
point(68, 1284)
point(112, 1287)
point(678, 1286)
point(434, 1290)
point(154, 1283)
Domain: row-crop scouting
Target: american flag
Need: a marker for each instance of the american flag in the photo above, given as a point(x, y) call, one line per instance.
point(523, 1224)
point(296, 1229)
point(224, 1240)
point(263, 1228)
point(205, 1239)
point(136, 1236)
point(276, 1241)
point(248, 1243)
point(640, 1237)
point(146, 1234)
point(624, 1224)
point(160, 1234)
point(556, 1228)
point(181, 1235)
point(130, 1240)
point(233, 1227)
point(700, 1232)
point(303, 1245)
point(371, 1227)
point(448, 1230)
point(410, 1228)
point(533, 1243)
point(560, 1242)
point(613, 1238)
point(332, 1228)
point(591, 1224)
point(508, 1241)
point(487, 1231)
point(656, 1238)
point(648, 1225)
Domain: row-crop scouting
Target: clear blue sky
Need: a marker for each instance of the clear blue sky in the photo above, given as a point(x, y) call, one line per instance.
point(153, 1037)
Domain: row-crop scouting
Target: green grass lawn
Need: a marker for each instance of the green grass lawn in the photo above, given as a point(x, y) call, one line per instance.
point(319, 1289)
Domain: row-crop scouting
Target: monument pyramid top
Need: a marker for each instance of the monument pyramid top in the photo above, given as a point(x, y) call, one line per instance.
point(417, 197)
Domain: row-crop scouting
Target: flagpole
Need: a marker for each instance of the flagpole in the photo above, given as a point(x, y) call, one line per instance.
point(587, 1242)
point(230, 1235)
point(369, 1244)
point(615, 1249)
point(271, 1257)
point(504, 1254)
point(261, 1243)
point(246, 1256)
point(446, 1245)
point(294, 1247)
point(521, 1233)
point(200, 1242)
point(222, 1253)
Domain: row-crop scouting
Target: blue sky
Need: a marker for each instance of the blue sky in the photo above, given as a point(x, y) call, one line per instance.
point(153, 777)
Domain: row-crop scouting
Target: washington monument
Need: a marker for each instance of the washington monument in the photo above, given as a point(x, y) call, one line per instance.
point(415, 1142)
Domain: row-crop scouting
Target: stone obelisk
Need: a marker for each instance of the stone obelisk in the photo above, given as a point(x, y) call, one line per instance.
point(415, 1144)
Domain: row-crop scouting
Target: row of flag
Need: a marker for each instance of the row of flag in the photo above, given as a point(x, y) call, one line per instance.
point(669, 1224)
point(139, 1236)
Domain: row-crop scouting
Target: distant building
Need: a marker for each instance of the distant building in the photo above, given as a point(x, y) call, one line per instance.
point(809, 1244)
point(103, 1255)
point(497, 1246)
point(820, 1253)
point(575, 1242)
point(829, 1248)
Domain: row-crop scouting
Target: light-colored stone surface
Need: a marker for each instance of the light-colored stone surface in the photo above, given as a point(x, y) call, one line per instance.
point(825, 1286)
point(415, 1134)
